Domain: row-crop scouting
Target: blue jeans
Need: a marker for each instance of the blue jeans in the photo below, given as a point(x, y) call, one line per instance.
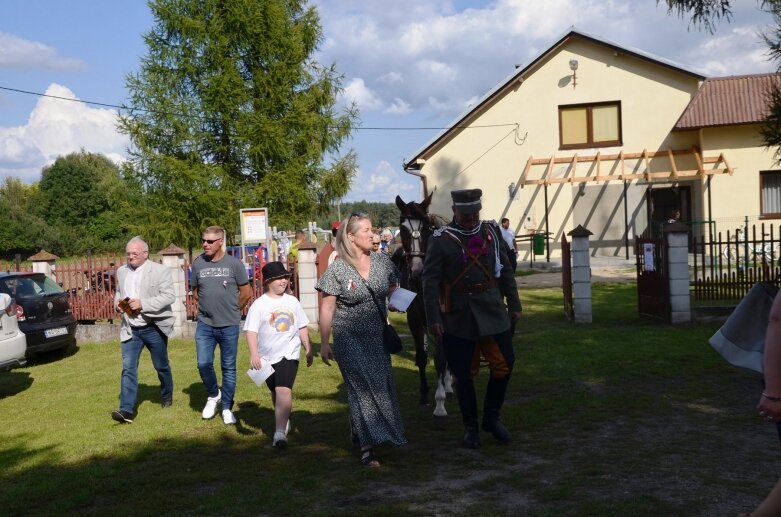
point(157, 343)
point(206, 340)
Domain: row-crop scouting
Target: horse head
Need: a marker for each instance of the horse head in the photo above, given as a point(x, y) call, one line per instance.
point(415, 229)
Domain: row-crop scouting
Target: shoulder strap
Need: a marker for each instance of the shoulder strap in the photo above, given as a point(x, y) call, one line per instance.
point(379, 309)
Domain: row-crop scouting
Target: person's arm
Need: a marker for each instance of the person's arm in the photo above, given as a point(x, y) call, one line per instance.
point(768, 405)
point(245, 293)
point(252, 344)
point(431, 277)
point(303, 334)
point(327, 309)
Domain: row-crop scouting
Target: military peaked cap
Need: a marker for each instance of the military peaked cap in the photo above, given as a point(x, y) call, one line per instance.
point(467, 201)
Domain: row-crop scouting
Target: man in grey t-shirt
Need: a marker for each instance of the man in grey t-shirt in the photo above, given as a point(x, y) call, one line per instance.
point(221, 287)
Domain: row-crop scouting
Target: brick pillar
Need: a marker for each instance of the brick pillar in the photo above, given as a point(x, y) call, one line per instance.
point(173, 258)
point(677, 235)
point(581, 275)
point(307, 278)
point(44, 262)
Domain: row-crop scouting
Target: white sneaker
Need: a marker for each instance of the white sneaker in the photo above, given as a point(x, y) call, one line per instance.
point(280, 440)
point(227, 417)
point(210, 409)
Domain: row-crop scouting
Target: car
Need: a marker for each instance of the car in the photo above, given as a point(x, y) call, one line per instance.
point(13, 343)
point(42, 310)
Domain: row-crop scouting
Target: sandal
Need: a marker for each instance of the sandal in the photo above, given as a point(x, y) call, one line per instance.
point(368, 459)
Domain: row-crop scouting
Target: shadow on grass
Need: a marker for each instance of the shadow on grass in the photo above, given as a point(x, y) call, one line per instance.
point(14, 382)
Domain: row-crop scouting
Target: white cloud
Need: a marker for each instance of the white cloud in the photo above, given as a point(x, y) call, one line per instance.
point(16, 52)
point(364, 97)
point(738, 50)
point(56, 128)
point(382, 184)
point(398, 107)
point(391, 78)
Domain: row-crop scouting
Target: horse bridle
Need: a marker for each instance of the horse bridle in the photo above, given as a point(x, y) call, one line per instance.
point(416, 249)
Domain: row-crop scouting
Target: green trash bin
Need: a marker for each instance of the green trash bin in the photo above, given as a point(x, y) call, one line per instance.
point(539, 243)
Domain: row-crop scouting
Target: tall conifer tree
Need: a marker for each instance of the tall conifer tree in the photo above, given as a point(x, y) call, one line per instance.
point(230, 110)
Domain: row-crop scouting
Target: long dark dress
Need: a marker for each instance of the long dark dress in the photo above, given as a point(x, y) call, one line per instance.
point(358, 349)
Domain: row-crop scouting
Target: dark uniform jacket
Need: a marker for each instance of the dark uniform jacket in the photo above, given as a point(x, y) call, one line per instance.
point(473, 312)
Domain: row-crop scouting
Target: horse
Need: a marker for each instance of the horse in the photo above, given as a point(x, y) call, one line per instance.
point(415, 226)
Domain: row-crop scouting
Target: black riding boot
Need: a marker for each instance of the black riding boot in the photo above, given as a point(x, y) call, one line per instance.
point(467, 401)
point(494, 398)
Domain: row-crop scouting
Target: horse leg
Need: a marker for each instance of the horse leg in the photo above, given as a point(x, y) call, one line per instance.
point(421, 357)
point(440, 413)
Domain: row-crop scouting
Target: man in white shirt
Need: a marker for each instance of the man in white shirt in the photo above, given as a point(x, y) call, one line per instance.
point(145, 292)
point(509, 237)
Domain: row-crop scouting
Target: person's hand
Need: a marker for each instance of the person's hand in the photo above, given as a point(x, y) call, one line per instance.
point(437, 329)
point(769, 409)
point(254, 361)
point(393, 308)
point(325, 353)
point(514, 316)
point(135, 304)
point(310, 355)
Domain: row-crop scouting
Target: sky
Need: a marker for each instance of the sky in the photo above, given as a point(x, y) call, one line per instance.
point(411, 67)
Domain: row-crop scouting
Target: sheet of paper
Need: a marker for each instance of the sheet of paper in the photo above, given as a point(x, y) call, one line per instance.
point(401, 298)
point(260, 376)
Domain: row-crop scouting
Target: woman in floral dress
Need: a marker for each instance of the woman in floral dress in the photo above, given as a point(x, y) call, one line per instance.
point(348, 310)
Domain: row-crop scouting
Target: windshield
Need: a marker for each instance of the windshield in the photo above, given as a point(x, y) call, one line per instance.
point(29, 286)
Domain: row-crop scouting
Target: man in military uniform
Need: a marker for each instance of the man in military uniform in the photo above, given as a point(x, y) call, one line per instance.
point(466, 278)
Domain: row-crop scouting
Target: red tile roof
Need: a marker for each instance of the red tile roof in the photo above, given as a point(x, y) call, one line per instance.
point(724, 101)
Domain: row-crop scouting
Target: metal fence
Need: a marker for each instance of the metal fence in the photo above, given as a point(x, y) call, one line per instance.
point(726, 265)
point(91, 283)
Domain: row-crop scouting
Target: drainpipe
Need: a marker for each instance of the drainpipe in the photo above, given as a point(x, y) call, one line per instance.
point(419, 162)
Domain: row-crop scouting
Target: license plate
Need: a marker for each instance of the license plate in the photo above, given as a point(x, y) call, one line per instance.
point(59, 331)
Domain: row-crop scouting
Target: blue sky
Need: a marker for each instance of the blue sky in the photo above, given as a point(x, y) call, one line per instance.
point(407, 64)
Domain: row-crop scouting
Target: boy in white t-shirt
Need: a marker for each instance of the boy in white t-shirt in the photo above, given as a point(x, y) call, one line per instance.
point(276, 327)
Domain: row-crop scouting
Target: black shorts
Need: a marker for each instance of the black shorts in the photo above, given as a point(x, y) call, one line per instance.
point(284, 375)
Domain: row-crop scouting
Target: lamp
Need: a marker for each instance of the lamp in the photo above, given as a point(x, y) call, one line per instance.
point(512, 190)
point(573, 65)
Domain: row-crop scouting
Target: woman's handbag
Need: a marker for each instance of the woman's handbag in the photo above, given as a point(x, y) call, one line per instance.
point(390, 338)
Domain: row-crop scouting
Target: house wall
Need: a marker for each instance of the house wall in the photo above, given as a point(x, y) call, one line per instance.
point(737, 196)
point(652, 98)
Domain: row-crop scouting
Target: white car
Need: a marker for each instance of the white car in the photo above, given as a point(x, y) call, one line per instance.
point(13, 343)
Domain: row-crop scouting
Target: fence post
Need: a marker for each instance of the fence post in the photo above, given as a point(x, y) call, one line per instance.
point(44, 262)
point(581, 275)
point(678, 272)
point(307, 278)
point(173, 258)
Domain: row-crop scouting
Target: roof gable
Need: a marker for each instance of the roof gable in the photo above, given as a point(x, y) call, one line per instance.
point(518, 76)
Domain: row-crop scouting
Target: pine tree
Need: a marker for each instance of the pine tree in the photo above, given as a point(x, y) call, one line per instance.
point(230, 110)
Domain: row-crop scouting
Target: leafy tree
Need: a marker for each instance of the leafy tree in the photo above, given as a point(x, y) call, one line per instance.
point(383, 215)
point(230, 111)
point(76, 196)
point(21, 231)
point(707, 13)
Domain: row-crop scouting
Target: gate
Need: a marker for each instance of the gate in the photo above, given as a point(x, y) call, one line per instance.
point(653, 283)
point(566, 277)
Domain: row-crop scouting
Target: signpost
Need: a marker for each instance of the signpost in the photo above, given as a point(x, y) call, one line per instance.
point(254, 229)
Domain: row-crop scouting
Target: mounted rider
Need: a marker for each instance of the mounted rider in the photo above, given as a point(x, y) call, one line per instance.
point(466, 279)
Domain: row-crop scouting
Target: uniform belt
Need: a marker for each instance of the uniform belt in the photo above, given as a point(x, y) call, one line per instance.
point(475, 288)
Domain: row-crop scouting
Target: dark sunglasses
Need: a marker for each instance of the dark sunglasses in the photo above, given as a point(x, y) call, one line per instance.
point(211, 241)
point(355, 214)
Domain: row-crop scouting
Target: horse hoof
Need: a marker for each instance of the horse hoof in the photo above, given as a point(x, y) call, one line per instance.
point(440, 423)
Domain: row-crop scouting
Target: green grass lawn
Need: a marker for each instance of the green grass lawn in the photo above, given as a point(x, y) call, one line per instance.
point(625, 416)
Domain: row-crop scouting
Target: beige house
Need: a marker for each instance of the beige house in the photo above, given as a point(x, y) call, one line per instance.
point(614, 139)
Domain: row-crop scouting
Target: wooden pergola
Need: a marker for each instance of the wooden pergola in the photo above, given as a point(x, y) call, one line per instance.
point(643, 159)
point(640, 169)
